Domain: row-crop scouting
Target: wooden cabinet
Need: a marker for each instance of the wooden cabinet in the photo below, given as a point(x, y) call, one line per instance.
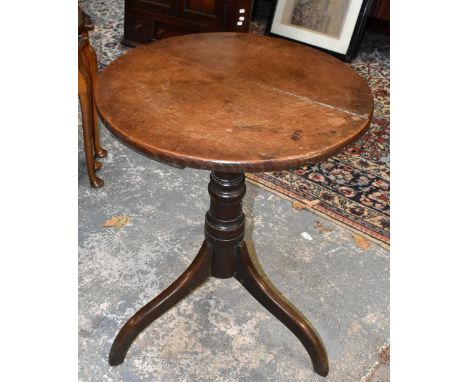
point(147, 20)
point(382, 10)
point(380, 17)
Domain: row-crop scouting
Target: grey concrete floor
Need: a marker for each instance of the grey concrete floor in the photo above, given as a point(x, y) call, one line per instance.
point(219, 333)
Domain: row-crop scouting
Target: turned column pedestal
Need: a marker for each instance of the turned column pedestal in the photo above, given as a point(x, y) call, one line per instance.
point(223, 254)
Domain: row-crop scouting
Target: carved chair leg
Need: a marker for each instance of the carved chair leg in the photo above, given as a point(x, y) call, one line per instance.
point(86, 113)
point(197, 273)
point(248, 275)
point(92, 65)
point(97, 165)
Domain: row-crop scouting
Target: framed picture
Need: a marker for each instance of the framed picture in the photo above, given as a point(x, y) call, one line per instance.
point(336, 26)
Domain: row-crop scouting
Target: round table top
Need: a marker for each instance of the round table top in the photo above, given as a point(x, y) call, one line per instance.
point(233, 102)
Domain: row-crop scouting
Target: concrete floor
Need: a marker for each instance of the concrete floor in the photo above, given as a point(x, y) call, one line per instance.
point(219, 333)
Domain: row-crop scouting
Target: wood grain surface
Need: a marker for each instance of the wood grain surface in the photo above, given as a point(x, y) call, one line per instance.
point(233, 102)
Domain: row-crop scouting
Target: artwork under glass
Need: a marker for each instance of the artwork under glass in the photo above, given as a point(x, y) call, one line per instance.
point(327, 24)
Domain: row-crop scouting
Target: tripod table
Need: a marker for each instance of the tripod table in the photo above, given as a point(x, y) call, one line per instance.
point(231, 103)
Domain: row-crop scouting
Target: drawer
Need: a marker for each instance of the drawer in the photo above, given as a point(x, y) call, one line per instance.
point(138, 26)
point(164, 30)
point(209, 12)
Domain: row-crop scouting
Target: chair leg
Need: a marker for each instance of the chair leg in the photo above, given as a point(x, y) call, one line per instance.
point(97, 165)
point(84, 95)
point(92, 65)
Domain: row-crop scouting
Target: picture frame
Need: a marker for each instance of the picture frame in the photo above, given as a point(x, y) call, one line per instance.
point(334, 26)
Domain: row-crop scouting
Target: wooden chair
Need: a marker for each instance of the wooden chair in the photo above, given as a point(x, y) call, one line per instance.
point(87, 75)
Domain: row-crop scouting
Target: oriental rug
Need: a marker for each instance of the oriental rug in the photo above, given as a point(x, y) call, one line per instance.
point(352, 188)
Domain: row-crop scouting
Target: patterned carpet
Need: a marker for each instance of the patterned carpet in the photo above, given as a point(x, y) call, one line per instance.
point(351, 188)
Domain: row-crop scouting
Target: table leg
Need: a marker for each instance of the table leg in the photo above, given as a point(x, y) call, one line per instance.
point(248, 275)
point(224, 230)
point(194, 276)
point(223, 255)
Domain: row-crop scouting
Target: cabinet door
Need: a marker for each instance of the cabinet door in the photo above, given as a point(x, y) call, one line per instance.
point(203, 11)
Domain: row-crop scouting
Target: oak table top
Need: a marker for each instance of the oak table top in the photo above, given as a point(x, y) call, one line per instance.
point(233, 102)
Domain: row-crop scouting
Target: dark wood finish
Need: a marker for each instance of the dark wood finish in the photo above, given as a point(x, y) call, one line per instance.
point(259, 287)
point(382, 10)
point(87, 76)
point(194, 276)
point(380, 17)
point(225, 221)
point(148, 20)
point(84, 22)
point(223, 255)
point(231, 103)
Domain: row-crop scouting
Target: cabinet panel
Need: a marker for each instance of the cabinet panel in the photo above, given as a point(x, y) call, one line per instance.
point(203, 6)
point(238, 14)
point(138, 26)
point(163, 30)
point(161, 6)
point(146, 20)
point(382, 10)
point(204, 11)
